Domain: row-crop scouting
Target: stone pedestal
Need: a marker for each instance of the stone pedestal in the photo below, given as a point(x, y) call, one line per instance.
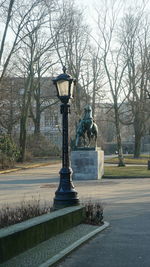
point(87, 164)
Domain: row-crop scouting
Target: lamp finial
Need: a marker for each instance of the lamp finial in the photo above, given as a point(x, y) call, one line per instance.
point(64, 69)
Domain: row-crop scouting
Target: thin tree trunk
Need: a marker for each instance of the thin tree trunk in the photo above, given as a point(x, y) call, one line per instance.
point(22, 140)
point(6, 28)
point(24, 117)
point(119, 142)
point(78, 99)
point(137, 145)
point(93, 101)
point(38, 107)
point(138, 129)
point(37, 126)
point(137, 148)
point(37, 117)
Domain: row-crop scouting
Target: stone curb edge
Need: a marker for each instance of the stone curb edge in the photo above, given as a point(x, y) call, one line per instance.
point(28, 167)
point(128, 164)
point(126, 177)
point(76, 244)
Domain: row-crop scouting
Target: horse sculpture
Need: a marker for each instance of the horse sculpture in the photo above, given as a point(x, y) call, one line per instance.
point(86, 127)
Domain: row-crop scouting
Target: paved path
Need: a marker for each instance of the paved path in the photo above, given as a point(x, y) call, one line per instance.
point(126, 206)
point(43, 181)
point(126, 243)
point(29, 184)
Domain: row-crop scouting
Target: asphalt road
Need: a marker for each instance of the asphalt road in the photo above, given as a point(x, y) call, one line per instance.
point(126, 243)
point(43, 181)
point(126, 202)
point(29, 184)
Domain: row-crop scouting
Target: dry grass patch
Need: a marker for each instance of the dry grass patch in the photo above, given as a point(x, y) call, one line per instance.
point(128, 171)
point(130, 160)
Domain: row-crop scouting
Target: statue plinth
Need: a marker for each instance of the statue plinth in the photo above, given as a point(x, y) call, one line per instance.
point(87, 163)
point(85, 148)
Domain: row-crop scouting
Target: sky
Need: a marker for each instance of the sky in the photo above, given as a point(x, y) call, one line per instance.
point(89, 6)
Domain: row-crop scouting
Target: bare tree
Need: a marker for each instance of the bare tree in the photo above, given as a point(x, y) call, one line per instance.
point(92, 77)
point(29, 58)
point(8, 18)
point(70, 35)
point(136, 35)
point(16, 16)
point(43, 94)
point(113, 64)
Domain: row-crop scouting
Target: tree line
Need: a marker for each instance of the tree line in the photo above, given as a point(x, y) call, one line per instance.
point(109, 57)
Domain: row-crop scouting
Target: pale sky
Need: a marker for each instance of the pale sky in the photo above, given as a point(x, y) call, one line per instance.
point(91, 4)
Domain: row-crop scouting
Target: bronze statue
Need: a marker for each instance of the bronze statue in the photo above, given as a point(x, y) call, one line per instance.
point(86, 128)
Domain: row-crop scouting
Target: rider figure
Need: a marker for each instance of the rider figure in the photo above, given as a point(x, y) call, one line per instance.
point(86, 127)
point(88, 119)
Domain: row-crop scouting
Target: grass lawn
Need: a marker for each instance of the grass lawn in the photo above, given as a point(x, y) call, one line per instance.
point(128, 171)
point(130, 160)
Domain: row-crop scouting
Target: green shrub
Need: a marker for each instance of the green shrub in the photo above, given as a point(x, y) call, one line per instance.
point(8, 152)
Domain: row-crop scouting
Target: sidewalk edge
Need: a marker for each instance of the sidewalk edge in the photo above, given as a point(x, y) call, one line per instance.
point(28, 167)
point(76, 244)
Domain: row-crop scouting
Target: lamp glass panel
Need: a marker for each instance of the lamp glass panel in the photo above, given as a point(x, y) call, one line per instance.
point(63, 87)
point(71, 89)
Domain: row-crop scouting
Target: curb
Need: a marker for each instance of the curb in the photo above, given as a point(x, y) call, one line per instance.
point(11, 170)
point(127, 164)
point(125, 177)
point(28, 167)
point(34, 231)
point(76, 244)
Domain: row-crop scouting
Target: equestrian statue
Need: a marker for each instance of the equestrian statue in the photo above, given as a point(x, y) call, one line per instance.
point(86, 129)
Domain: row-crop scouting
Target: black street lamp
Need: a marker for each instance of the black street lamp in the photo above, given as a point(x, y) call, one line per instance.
point(148, 94)
point(66, 195)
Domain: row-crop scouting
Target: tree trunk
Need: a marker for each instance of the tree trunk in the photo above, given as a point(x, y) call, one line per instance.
point(119, 143)
point(22, 139)
point(93, 100)
point(11, 3)
point(37, 118)
point(78, 99)
point(37, 126)
point(24, 117)
point(137, 145)
point(138, 130)
point(11, 117)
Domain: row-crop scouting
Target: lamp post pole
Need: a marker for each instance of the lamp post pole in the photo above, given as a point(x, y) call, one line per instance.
point(65, 110)
point(148, 93)
point(66, 195)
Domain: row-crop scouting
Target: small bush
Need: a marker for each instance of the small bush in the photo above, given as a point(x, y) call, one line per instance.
point(32, 208)
point(24, 211)
point(94, 213)
point(8, 152)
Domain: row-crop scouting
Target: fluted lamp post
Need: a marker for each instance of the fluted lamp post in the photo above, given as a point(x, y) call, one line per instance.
point(66, 195)
point(148, 94)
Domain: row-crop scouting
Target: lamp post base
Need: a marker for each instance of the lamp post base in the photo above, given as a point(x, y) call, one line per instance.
point(65, 200)
point(66, 195)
